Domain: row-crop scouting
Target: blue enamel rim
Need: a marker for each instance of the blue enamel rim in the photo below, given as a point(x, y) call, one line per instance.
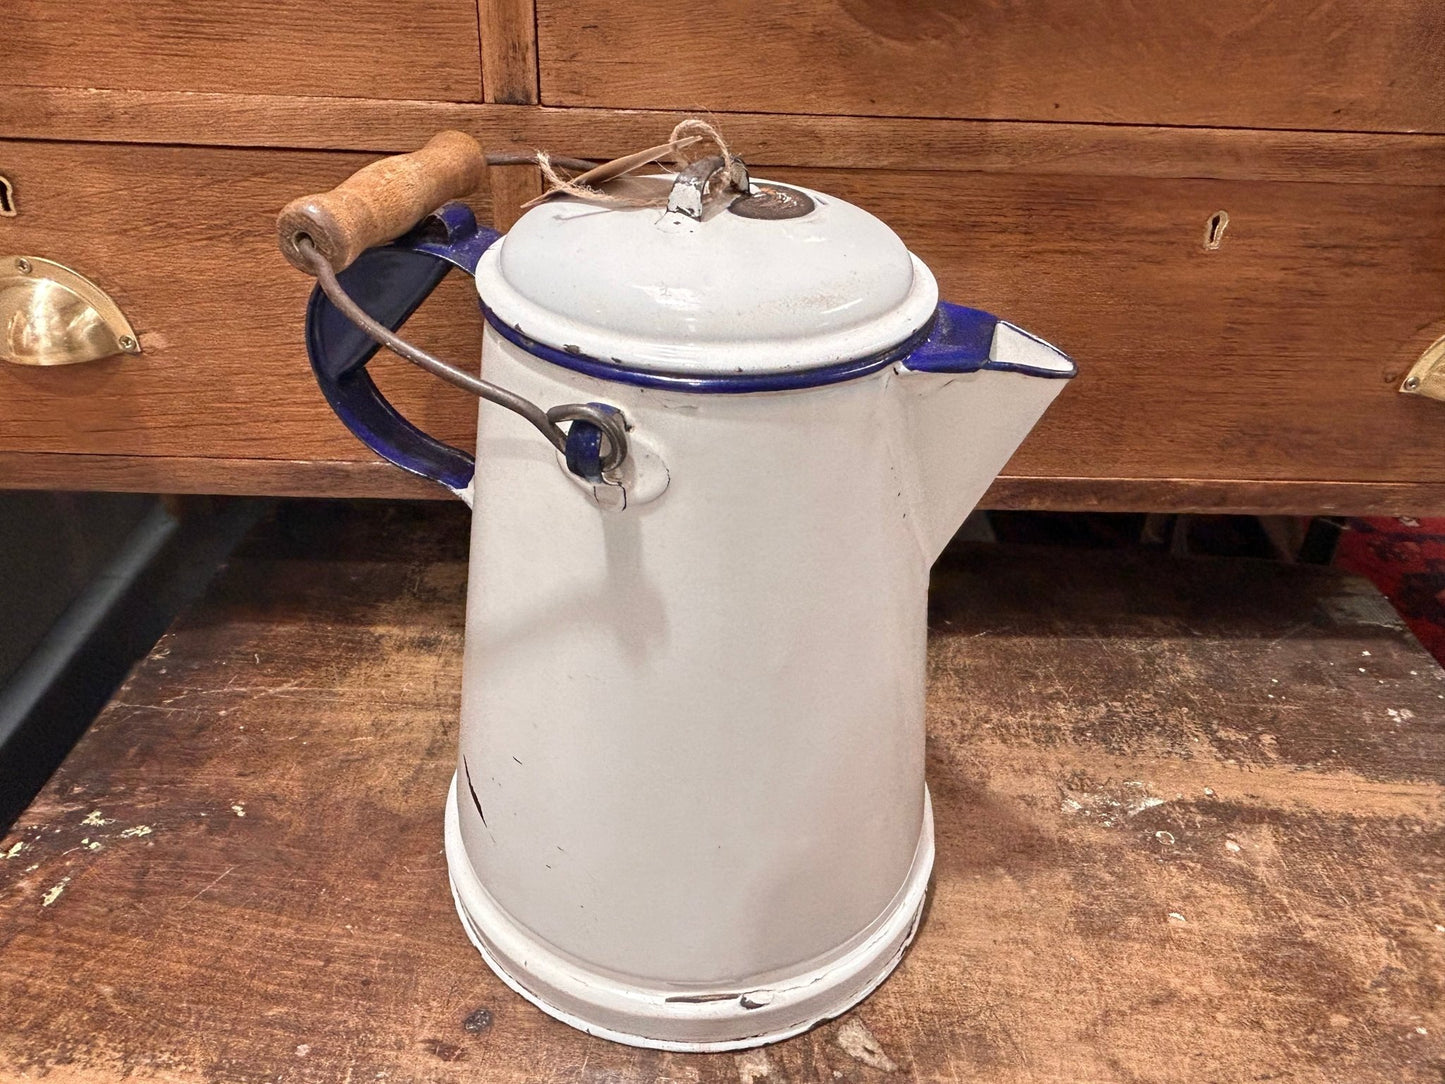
point(736, 383)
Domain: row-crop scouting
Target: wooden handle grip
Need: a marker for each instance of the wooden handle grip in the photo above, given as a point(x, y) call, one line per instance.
point(382, 201)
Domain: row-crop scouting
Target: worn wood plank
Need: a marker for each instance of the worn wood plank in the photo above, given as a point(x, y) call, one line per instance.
point(1349, 65)
point(1242, 495)
point(1190, 814)
point(300, 478)
point(204, 474)
point(512, 187)
point(248, 120)
point(247, 46)
point(509, 51)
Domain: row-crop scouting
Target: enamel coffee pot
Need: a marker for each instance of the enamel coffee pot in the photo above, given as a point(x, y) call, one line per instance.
point(689, 809)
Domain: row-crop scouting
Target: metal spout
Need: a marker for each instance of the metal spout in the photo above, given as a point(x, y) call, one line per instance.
point(969, 395)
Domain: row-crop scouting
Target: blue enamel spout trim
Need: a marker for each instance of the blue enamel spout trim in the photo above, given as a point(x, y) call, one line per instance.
point(964, 340)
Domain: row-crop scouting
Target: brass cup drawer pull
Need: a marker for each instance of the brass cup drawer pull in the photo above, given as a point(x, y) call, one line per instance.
point(51, 315)
point(1427, 376)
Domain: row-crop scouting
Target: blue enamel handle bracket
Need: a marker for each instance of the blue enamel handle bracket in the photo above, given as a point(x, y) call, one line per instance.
point(390, 283)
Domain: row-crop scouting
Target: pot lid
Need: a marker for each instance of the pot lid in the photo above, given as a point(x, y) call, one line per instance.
point(777, 280)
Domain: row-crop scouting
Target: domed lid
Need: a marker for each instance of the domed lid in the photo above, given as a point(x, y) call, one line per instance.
point(777, 280)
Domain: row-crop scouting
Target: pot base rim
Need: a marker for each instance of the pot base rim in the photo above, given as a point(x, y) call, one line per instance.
point(601, 1006)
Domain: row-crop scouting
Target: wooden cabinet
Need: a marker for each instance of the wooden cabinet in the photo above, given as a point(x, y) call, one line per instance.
point(1353, 65)
point(183, 240)
point(362, 49)
point(1268, 357)
point(1068, 166)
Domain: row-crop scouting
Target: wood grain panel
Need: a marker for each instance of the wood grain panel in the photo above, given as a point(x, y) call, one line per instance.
point(509, 51)
point(1213, 495)
point(1276, 356)
point(512, 186)
point(183, 238)
point(1348, 65)
point(308, 478)
point(366, 48)
point(765, 140)
point(213, 474)
point(1273, 358)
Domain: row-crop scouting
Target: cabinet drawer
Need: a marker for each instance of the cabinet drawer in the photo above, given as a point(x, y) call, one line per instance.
point(1352, 65)
point(1277, 355)
point(1274, 356)
point(368, 48)
point(183, 239)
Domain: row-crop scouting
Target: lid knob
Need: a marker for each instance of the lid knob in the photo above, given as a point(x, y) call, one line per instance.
point(691, 188)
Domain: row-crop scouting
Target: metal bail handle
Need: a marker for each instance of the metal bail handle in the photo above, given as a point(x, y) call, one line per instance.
point(324, 234)
point(605, 421)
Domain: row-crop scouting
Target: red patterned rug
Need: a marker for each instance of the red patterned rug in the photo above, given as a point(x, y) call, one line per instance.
point(1405, 559)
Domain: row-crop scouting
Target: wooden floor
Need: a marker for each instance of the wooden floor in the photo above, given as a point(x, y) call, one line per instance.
point(1190, 828)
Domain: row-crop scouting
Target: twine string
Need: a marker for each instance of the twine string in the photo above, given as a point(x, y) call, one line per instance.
point(691, 139)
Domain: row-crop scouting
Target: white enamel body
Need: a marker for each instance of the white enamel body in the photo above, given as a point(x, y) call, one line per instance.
point(694, 724)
